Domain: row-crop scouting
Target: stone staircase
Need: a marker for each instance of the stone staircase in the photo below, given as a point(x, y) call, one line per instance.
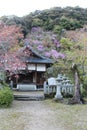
point(29, 96)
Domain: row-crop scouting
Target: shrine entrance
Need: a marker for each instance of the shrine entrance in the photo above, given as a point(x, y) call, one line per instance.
point(25, 78)
point(32, 80)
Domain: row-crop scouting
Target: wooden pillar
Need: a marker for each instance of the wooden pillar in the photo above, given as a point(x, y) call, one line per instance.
point(36, 77)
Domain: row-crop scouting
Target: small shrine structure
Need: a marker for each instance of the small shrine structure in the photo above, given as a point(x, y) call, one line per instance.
point(31, 77)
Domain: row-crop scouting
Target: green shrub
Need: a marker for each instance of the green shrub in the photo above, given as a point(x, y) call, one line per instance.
point(6, 97)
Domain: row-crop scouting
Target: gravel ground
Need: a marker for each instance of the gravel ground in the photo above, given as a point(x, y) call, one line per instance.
point(28, 115)
point(43, 115)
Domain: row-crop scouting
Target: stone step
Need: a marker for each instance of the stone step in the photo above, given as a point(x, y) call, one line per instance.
point(28, 98)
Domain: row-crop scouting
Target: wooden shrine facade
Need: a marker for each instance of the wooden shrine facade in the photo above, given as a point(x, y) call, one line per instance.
point(32, 77)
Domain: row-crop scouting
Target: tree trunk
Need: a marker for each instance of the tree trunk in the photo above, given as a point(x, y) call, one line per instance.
point(77, 93)
point(77, 98)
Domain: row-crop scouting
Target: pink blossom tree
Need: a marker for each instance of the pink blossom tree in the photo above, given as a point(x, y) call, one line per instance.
point(10, 37)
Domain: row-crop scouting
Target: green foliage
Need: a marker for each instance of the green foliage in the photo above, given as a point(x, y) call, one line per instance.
point(84, 87)
point(57, 68)
point(6, 97)
point(57, 29)
point(66, 43)
point(36, 22)
point(69, 24)
point(62, 67)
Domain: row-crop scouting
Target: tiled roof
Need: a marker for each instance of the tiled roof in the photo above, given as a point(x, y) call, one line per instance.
point(38, 60)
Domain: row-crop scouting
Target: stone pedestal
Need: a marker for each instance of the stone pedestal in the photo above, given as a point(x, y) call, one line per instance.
point(58, 93)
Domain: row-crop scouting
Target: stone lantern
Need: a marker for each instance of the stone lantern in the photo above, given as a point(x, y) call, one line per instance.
point(67, 87)
point(70, 87)
point(59, 85)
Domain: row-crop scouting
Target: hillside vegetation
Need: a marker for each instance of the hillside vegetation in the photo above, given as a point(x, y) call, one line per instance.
point(55, 19)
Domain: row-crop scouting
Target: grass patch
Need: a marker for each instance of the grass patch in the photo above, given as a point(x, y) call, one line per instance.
point(71, 117)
